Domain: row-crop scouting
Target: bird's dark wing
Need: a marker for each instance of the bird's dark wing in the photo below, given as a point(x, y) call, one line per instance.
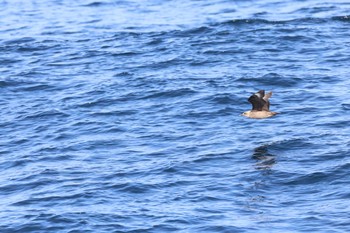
point(266, 107)
point(257, 101)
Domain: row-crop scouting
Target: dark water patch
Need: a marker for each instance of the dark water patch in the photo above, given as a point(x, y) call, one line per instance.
point(204, 62)
point(277, 79)
point(10, 83)
point(168, 63)
point(31, 75)
point(346, 106)
point(329, 79)
point(92, 21)
point(19, 41)
point(340, 170)
point(210, 157)
point(125, 54)
point(314, 20)
point(345, 18)
point(257, 21)
point(296, 38)
point(313, 178)
point(163, 228)
point(338, 124)
point(125, 35)
point(36, 47)
point(48, 201)
point(243, 22)
point(124, 73)
point(21, 186)
point(289, 144)
point(116, 113)
point(155, 41)
point(96, 4)
point(199, 30)
point(226, 111)
point(55, 219)
point(34, 87)
point(315, 9)
point(272, 79)
point(296, 21)
point(100, 102)
point(188, 33)
point(6, 61)
point(135, 188)
point(330, 176)
point(220, 98)
point(223, 52)
point(20, 162)
point(45, 115)
point(334, 59)
point(170, 93)
point(45, 150)
point(201, 114)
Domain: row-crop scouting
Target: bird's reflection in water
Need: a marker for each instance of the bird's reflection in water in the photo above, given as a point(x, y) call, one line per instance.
point(260, 184)
point(265, 159)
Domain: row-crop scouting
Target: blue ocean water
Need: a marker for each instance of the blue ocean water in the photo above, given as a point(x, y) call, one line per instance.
point(124, 116)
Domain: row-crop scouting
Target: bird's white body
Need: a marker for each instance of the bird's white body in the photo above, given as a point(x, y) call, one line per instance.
point(258, 114)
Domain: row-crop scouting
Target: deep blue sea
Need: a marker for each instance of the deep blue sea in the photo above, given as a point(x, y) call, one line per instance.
point(124, 116)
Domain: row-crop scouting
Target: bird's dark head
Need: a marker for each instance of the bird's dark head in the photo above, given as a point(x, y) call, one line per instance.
point(261, 93)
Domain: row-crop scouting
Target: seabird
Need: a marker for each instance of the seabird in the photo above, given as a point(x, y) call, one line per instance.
point(261, 106)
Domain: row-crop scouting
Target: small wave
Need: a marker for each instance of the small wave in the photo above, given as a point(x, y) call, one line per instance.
point(283, 145)
point(223, 99)
point(98, 102)
point(239, 22)
point(8, 83)
point(220, 228)
point(95, 4)
point(332, 175)
point(36, 87)
point(272, 79)
point(257, 21)
point(295, 38)
point(124, 54)
point(188, 32)
point(7, 61)
point(247, 21)
point(198, 30)
point(346, 106)
point(44, 114)
point(345, 18)
point(221, 52)
point(171, 93)
point(314, 9)
point(26, 85)
point(339, 172)
point(19, 41)
point(135, 188)
point(128, 112)
point(312, 178)
point(155, 41)
point(212, 27)
point(122, 74)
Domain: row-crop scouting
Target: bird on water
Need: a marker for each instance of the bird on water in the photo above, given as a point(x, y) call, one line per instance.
point(261, 106)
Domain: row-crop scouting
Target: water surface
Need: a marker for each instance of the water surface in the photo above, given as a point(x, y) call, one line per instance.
point(124, 116)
